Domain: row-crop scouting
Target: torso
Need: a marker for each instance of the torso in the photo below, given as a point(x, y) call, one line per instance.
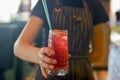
point(79, 37)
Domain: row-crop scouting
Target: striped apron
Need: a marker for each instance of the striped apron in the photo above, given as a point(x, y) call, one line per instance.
point(78, 22)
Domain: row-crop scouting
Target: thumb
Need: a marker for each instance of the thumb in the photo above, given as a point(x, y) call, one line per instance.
point(44, 73)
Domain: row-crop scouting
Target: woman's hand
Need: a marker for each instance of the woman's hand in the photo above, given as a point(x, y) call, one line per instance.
point(45, 61)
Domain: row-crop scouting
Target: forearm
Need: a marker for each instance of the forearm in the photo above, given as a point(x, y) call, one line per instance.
point(26, 52)
point(23, 47)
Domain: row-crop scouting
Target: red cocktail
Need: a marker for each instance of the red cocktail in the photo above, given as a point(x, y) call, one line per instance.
point(58, 41)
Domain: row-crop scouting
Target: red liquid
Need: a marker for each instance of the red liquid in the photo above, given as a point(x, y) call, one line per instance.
point(58, 41)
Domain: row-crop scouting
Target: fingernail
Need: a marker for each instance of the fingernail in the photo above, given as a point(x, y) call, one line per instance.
point(53, 52)
point(51, 67)
point(54, 61)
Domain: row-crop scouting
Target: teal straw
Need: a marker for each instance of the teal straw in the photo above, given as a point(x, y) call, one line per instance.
point(47, 13)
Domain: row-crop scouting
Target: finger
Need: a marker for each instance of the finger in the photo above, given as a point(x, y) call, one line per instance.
point(45, 65)
point(44, 57)
point(47, 51)
point(44, 73)
point(49, 60)
point(69, 55)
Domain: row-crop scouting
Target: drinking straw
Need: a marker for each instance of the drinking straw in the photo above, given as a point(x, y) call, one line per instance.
point(47, 13)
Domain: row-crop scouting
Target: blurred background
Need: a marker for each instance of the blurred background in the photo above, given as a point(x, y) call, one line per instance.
point(13, 17)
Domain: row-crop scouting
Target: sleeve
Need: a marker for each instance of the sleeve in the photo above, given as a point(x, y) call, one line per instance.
point(38, 10)
point(99, 13)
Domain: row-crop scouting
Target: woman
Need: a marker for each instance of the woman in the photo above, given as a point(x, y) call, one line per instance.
point(78, 17)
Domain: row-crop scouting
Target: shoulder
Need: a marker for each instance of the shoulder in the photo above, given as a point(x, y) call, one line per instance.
point(38, 9)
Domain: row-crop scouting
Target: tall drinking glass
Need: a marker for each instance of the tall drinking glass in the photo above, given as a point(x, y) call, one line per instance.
point(58, 41)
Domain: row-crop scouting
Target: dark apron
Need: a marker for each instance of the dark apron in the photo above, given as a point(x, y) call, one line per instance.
point(78, 22)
